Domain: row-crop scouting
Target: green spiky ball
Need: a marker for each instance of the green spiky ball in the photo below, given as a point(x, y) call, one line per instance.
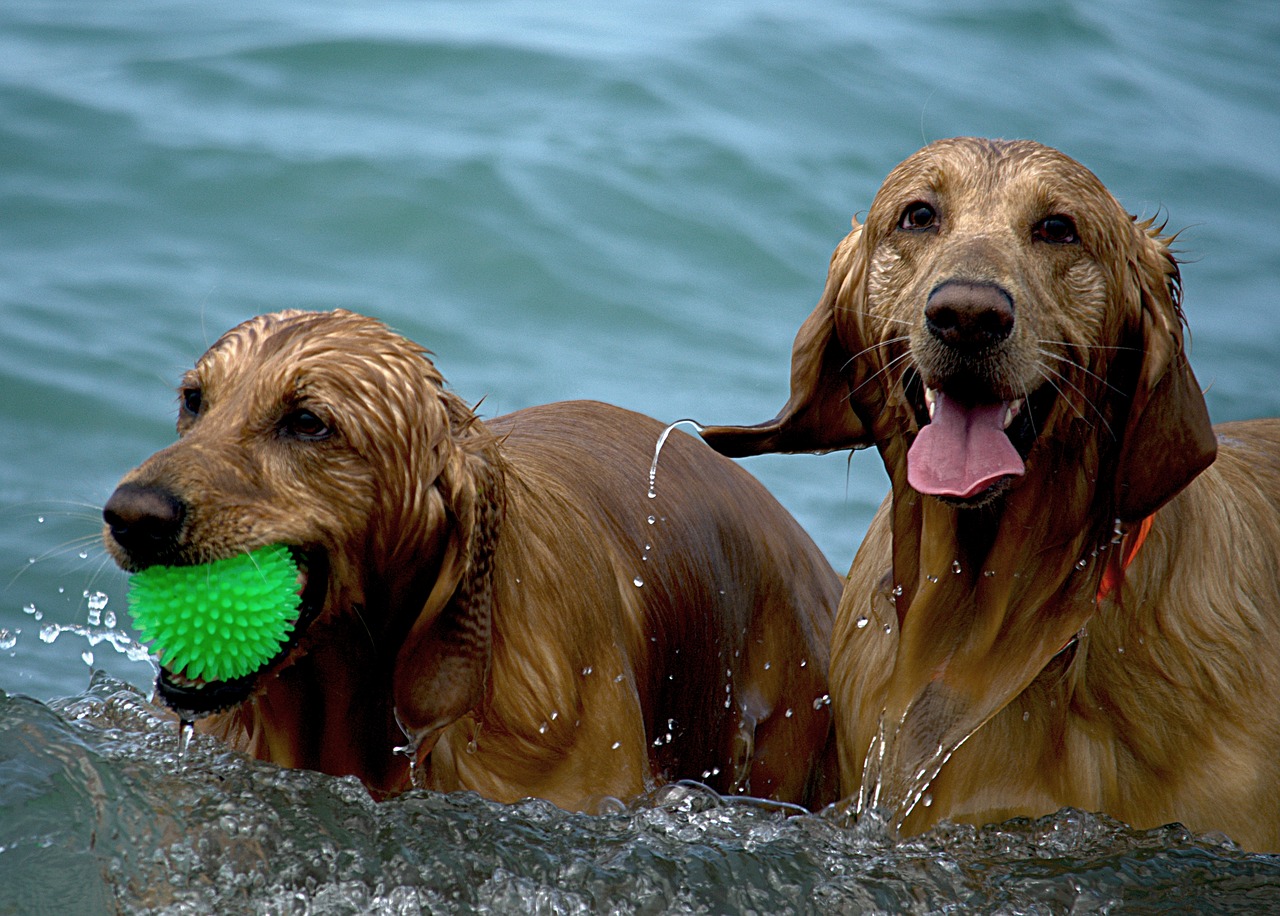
point(220, 620)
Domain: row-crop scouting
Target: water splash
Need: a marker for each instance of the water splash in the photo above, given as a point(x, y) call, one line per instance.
point(97, 602)
point(121, 642)
point(657, 452)
point(875, 793)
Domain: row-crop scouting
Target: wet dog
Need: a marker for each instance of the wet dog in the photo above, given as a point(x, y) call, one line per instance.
point(500, 599)
point(1065, 601)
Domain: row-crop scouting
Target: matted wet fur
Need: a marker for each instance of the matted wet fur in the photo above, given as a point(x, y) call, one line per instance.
point(500, 599)
point(992, 655)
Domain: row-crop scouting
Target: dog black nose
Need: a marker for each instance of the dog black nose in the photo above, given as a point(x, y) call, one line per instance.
point(969, 316)
point(145, 521)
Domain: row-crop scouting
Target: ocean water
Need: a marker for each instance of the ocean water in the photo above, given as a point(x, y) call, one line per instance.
point(634, 203)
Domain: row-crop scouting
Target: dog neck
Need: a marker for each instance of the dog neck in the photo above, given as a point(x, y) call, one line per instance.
point(985, 599)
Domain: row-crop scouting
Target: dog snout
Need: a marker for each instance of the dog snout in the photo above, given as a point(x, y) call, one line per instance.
point(969, 316)
point(145, 522)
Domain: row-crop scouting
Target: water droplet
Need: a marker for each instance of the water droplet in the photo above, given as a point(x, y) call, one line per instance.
point(897, 591)
point(1120, 650)
point(804, 663)
point(87, 657)
point(615, 745)
point(888, 628)
point(988, 573)
point(927, 800)
point(824, 700)
point(955, 567)
point(84, 554)
point(652, 520)
point(618, 679)
point(471, 745)
point(8, 638)
point(587, 670)
point(1082, 564)
point(789, 713)
point(1026, 716)
point(542, 729)
point(862, 621)
point(638, 582)
point(932, 578)
point(109, 618)
point(186, 730)
point(28, 609)
point(40, 519)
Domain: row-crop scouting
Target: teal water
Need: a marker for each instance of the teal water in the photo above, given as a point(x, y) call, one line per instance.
point(633, 203)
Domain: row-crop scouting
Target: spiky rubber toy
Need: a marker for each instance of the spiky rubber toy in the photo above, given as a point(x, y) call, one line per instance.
point(221, 620)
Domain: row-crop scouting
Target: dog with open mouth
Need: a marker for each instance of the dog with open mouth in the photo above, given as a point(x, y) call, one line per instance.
point(495, 605)
point(1065, 600)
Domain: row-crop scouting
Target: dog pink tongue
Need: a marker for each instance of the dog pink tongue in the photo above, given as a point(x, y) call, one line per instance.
point(962, 451)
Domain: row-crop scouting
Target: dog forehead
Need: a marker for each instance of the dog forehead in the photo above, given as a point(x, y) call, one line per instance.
point(991, 179)
point(341, 349)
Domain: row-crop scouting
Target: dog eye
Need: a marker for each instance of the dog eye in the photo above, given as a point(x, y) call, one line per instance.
point(303, 424)
point(1058, 229)
point(918, 215)
point(192, 400)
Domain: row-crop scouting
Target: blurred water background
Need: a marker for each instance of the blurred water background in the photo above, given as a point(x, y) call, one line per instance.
point(634, 202)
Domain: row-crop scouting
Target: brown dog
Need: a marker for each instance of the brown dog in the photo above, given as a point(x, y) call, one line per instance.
point(1011, 341)
point(504, 594)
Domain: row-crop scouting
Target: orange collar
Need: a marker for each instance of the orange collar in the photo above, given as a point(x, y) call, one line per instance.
point(1113, 575)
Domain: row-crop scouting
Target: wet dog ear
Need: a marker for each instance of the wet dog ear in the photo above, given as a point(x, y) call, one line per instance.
point(442, 669)
point(818, 417)
point(1167, 438)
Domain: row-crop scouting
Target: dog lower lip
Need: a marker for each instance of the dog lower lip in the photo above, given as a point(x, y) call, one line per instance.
point(193, 700)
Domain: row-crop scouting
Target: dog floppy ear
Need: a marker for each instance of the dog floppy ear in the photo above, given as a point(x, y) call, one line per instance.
point(1168, 438)
point(818, 417)
point(442, 669)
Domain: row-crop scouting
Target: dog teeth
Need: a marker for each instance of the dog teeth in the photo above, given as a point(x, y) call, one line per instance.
point(931, 400)
point(1014, 408)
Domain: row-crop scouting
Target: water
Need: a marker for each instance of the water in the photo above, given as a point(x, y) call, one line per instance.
point(635, 204)
point(100, 815)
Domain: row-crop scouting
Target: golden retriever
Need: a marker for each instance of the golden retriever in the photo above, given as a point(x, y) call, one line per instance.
point(501, 599)
point(1011, 341)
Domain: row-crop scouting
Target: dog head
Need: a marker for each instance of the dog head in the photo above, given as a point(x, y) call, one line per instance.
point(332, 435)
point(997, 303)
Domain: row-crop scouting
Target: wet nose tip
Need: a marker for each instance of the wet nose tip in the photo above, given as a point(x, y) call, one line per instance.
point(969, 315)
point(143, 518)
